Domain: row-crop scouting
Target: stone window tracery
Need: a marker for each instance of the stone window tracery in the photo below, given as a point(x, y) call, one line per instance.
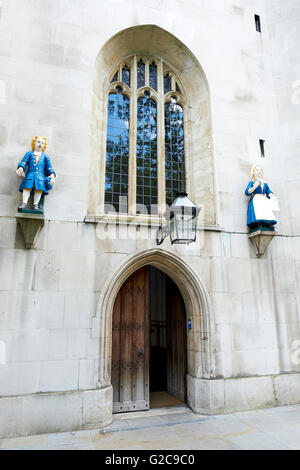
point(145, 158)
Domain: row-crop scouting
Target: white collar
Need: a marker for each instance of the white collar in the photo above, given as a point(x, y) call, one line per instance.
point(260, 181)
point(37, 153)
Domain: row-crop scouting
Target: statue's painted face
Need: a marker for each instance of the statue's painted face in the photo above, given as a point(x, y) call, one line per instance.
point(258, 172)
point(39, 145)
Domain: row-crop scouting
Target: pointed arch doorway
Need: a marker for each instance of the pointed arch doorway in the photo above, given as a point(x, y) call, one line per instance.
point(149, 346)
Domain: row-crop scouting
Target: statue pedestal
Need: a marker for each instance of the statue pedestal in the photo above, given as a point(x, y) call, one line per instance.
point(261, 237)
point(30, 225)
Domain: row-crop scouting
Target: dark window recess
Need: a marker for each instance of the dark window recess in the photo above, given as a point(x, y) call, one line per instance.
point(115, 79)
point(153, 76)
point(257, 23)
point(262, 147)
point(141, 74)
point(167, 83)
point(177, 88)
point(126, 75)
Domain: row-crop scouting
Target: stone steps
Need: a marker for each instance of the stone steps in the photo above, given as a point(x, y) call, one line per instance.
point(160, 417)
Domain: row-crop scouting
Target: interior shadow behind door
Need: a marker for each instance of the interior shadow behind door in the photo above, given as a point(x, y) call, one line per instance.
point(176, 342)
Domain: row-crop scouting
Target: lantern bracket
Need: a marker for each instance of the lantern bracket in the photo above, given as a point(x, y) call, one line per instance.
point(161, 234)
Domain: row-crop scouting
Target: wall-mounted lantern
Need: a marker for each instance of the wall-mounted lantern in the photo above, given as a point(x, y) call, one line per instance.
point(182, 219)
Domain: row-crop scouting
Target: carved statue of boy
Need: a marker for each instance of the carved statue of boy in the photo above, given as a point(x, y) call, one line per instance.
point(40, 175)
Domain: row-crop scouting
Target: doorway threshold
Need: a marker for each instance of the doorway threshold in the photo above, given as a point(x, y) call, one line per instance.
point(162, 411)
point(155, 418)
point(163, 400)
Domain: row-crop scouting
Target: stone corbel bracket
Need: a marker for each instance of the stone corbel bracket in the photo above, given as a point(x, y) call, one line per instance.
point(261, 240)
point(31, 226)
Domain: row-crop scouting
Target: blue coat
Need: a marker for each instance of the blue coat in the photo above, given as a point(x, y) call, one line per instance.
point(37, 172)
point(251, 218)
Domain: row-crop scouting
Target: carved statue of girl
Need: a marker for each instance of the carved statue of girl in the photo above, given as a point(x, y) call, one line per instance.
point(262, 201)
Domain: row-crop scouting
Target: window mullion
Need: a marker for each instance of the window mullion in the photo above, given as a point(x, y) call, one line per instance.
point(101, 202)
point(132, 142)
point(173, 83)
point(147, 81)
point(161, 142)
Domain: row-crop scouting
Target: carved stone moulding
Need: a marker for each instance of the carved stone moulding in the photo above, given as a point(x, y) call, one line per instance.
point(261, 239)
point(30, 226)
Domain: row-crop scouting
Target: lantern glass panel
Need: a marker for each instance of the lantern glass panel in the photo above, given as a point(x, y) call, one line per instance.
point(183, 227)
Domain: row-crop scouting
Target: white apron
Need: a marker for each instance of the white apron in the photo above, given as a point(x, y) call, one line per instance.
point(263, 207)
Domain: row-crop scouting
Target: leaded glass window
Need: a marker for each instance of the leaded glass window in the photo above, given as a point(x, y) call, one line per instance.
point(145, 157)
point(147, 152)
point(174, 150)
point(117, 149)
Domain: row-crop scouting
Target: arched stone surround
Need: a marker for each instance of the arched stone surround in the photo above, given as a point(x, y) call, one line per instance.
point(198, 309)
point(154, 41)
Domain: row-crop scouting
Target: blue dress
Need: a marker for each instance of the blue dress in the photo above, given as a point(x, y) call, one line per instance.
point(37, 173)
point(252, 221)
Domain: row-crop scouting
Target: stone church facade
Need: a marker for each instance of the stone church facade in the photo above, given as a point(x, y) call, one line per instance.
point(231, 69)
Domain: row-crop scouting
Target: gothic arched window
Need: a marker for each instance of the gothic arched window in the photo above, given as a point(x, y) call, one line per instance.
point(145, 159)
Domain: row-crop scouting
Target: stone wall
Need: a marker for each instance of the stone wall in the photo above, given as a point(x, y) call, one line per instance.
point(283, 26)
point(49, 322)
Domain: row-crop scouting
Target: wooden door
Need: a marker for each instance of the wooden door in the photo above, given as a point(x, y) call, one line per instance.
point(176, 342)
point(130, 345)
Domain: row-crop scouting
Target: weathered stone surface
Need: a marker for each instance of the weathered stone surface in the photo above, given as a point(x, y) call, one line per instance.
point(26, 344)
point(77, 271)
point(7, 232)
point(206, 396)
point(18, 378)
point(49, 308)
point(55, 307)
point(54, 412)
point(287, 389)
point(80, 307)
point(97, 408)
point(59, 375)
point(58, 345)
point(47, 271)
point(40, 413)
point(232, 395)
point(249, 393)
point(87, 374)
point(61, 236)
